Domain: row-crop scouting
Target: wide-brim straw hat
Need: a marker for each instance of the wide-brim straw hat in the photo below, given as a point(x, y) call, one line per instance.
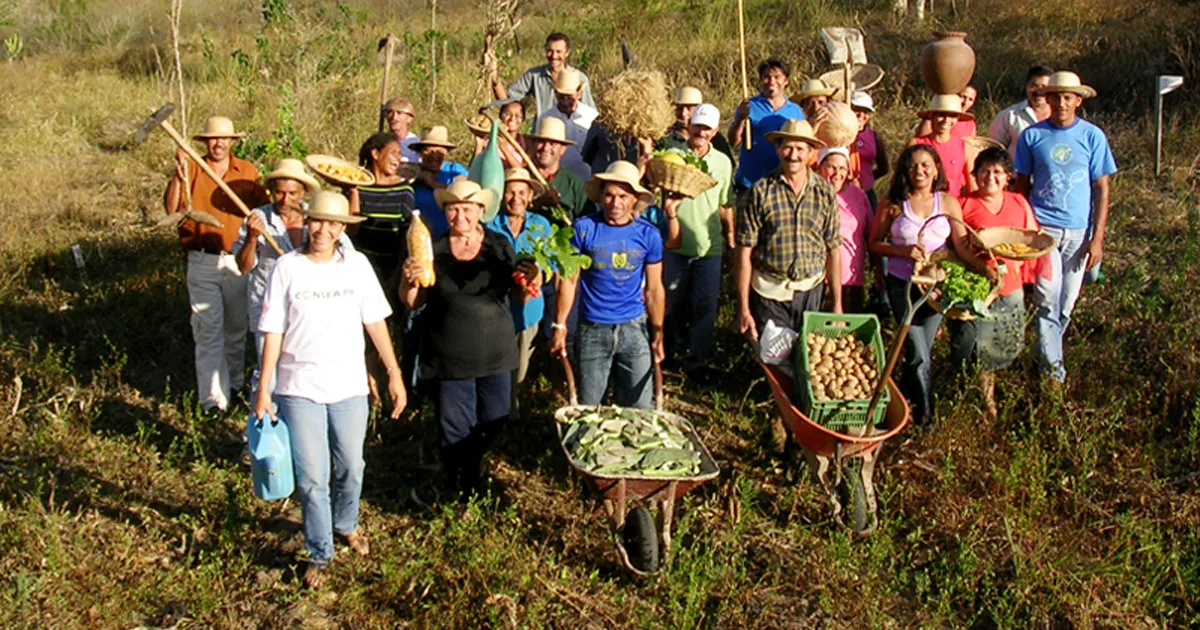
point(568, 81)
point(552, 129)
point(688, 95)
point(436, 136)
point(621, 172)
point(1065, 81)
point(945, 104)
point(290, 168)
point(328, 205)
point(862, 77)
point(523, 175)
point(218, 127)
point(463, 191)
point(796, 130)
point(814, 87)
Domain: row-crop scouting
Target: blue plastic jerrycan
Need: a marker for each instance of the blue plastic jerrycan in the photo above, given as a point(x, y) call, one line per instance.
point(270, 458)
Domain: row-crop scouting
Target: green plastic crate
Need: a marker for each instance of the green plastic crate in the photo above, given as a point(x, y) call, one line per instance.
point(836, 414)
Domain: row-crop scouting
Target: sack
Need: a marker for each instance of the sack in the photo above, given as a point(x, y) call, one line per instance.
point(775, 346)
point(270, 458)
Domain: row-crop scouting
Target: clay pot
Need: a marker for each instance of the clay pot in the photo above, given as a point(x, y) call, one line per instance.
point(840, 128)
point(947, 63)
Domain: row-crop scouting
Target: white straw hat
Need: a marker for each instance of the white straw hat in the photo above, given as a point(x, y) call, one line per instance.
point(290, 168)
point(328, 205)
point(1065, 81)
point(218, 127)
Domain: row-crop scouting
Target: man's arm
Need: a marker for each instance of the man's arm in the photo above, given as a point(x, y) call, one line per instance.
point(1023, 185)
point(742, 271)
point(833, 276)
point(727, 226)
point(674, 236)
point(1099, 221)
point(562, 310)
point(656, 309)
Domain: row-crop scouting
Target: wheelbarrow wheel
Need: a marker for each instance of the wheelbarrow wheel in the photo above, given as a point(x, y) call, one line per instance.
point(641, 540)
point(854, 497)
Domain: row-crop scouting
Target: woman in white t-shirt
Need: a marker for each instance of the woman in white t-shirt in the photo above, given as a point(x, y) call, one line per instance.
point(318, 301)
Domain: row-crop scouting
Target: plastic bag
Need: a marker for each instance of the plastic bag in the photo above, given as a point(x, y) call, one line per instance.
point(775, 346)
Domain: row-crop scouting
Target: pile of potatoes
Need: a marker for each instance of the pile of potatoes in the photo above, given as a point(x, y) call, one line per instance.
point(840, 369)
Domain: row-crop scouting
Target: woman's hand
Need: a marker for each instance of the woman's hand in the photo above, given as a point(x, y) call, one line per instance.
point(397, 392)
point(532, 272)
point(412, 271)
point(262, 404)
point(991, 274)
point(914, 252)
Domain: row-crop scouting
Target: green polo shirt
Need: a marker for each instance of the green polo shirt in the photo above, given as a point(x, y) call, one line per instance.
point(699, 218)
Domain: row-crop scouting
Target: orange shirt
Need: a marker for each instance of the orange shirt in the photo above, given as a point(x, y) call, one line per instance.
point(1014, 212)
point(242, 177)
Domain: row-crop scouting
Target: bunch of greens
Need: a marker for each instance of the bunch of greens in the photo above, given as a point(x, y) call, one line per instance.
point(964, 288)
point(689, 158)
point(615, 440)
point(554, 253)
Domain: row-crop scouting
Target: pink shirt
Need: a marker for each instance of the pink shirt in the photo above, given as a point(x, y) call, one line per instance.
point(963, 129)
point(855, 211)
point(954, 161)
point(905, 229)
point(867, 150)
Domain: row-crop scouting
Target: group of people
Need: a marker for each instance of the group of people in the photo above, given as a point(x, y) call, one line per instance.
point(797, 220)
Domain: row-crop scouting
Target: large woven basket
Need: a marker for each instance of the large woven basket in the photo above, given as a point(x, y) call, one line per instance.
point(688, 181)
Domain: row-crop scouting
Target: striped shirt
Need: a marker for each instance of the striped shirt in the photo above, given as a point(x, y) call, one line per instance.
point(790, 236)
point(382, 236)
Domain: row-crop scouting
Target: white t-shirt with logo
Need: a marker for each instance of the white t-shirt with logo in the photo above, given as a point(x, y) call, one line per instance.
point(321, 308)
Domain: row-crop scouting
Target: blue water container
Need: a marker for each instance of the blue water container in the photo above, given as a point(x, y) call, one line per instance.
point(270, 459)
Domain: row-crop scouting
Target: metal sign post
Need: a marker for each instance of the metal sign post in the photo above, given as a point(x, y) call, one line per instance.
point(1166, 84)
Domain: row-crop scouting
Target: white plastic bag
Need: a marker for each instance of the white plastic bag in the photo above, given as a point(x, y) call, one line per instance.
point(775, 346)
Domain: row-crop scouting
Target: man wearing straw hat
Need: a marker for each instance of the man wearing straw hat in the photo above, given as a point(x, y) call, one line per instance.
point(1063, 164)
point(767, 113)
point(400, 114)
point(541, 79)
point(282, 220)
point(577, 118)
point(216, 289)
point(549, 144)
point(813, 96)
point(621, 296)
point(436, 173)
point(686, 100)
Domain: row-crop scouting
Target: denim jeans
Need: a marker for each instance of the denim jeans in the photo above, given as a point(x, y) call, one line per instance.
point(622, 350)
point(916, 383)
point(692, 287)
point(326, 436)
point(1057, 296)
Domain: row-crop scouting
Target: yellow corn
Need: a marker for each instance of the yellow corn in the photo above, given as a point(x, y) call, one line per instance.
point(420, 247)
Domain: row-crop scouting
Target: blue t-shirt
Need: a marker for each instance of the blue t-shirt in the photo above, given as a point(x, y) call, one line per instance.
point(1063, 162)
point(762, 158)
point(610, 292)
point(536, 226)
point(423, 196)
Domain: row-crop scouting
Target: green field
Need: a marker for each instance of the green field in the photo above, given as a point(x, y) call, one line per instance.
point(120, 507)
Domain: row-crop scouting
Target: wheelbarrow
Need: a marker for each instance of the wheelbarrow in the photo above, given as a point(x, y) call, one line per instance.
point(828, 451)
point(643, 548)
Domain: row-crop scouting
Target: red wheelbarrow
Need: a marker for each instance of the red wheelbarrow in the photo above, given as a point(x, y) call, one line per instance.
point(855, 449)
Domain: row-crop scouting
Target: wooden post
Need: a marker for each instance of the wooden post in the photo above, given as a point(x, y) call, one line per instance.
point(746, 141)
point(1158, 101)
point(433, 51)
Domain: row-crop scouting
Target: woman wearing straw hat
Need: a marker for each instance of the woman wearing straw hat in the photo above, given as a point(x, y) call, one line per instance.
point(319, 299)
point(945, 111)
point(521, 227)
point(964, 128)
point(854, 210)
point(436, 173)
point(216, 289)
point(512, 117)
point(468, 329)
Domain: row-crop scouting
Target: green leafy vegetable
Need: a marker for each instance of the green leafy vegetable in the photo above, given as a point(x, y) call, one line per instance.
point(688, 157)
point(554, 253)
point(962, 287)
point(613, 440)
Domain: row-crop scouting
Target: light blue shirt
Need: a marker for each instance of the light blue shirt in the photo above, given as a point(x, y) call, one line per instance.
point(536, 226)
point(610, 291)
point(1063, 162)
point(762, 158)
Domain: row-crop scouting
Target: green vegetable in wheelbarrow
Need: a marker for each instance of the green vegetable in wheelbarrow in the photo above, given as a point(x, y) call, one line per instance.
point(619, 441)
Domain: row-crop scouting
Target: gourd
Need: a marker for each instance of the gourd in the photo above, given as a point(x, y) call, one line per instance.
point(420, 248)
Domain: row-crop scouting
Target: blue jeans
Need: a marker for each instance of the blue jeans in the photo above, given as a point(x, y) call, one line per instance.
point(323, 435)
point(916, 383)
point(692, 287)
point(622, 350)
point(1057, 296)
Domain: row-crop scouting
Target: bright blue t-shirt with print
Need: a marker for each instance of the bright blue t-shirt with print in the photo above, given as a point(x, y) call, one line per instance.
point(1063, 162)
point(536, 226)
point(423, 197)
point(762, 158)
point(610, 291)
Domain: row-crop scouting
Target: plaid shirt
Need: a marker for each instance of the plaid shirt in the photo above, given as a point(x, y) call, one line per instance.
point(791, 236)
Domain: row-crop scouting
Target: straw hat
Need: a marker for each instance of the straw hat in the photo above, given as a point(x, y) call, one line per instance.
point(621, 172)
point(796, 130)
point(945, 104)
point(289, 168)
point(828, 151)
point(862, 77)
point(463, 191)
point(552, 129)
point(218, 127)
point(814, 87)
point(436, 136)
point(688, 96)
point(1065, 81)
point(328, 205)
point(523, 175)
point(569, 81)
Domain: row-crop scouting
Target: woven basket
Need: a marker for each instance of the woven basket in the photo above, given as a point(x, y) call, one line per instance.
point(927, 271)
point(688, 181)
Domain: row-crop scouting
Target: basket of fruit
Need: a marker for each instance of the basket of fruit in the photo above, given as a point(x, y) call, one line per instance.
point(339, 171)
point(1016, 243)
point(837, 368)
point(679, 171)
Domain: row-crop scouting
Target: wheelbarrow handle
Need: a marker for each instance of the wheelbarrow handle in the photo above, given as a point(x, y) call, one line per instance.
point(573, 391)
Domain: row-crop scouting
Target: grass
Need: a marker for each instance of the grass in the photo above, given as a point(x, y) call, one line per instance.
point(121, 507)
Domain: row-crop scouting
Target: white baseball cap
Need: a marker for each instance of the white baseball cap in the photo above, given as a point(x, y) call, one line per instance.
point(707, 115)
point(862, 100)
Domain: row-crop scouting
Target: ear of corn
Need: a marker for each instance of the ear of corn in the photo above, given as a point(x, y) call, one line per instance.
point(420, 247)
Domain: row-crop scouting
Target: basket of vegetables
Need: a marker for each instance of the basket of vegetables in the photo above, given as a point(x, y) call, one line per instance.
point(837, 368)
point(964, 294)
point(679, 171)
